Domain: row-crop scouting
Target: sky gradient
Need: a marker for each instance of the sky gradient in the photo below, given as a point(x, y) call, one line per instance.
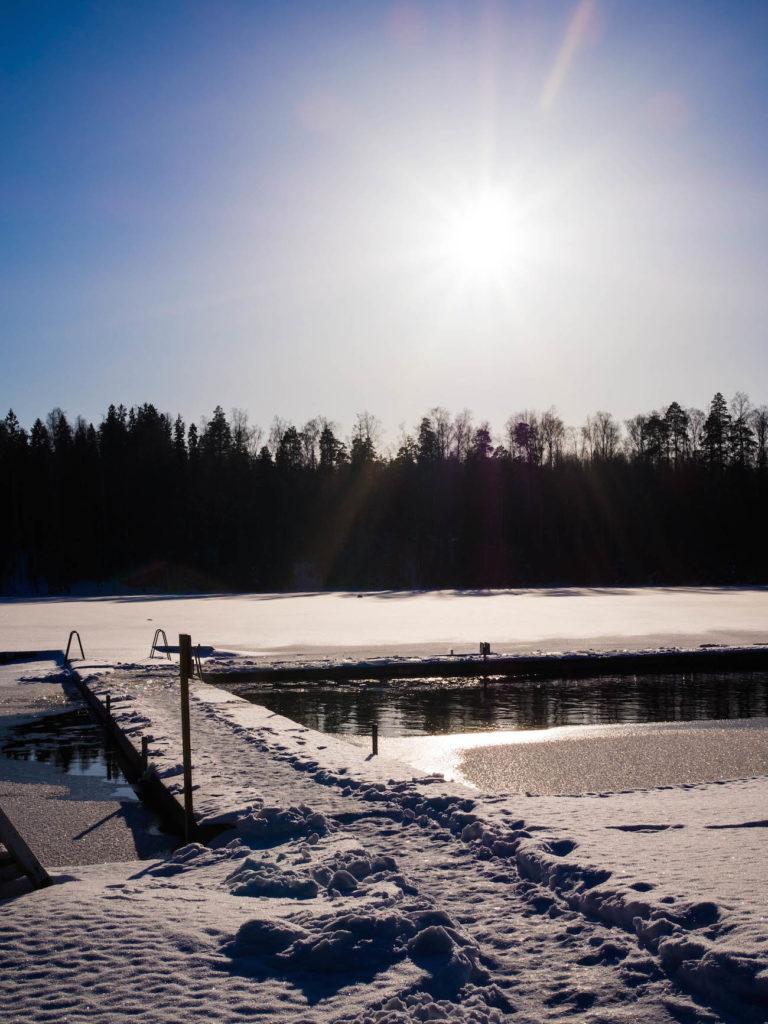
point(245, 203)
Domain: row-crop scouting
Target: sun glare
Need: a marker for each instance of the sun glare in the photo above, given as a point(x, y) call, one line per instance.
point(479, 243)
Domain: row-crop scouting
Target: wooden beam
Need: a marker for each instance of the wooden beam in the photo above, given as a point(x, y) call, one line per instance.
point(21, 853)
point(512, 667)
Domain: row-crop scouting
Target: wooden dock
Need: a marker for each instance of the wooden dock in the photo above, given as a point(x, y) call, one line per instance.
point(510, 667)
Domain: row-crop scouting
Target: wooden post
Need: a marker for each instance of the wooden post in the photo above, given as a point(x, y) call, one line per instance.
point(108, 707)
point(375, 737)
point(485, 650)
point(185, 670)
point(144, 755)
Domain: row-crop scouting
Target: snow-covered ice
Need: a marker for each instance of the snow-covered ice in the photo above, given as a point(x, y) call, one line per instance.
point(387, 623)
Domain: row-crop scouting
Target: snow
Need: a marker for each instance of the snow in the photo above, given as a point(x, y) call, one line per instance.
point(19, 674)
point(348, 887)
point(357, 888)
point(387, 623)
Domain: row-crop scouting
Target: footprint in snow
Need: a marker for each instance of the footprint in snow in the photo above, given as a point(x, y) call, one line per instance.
point(643, 828)
point(742, 824)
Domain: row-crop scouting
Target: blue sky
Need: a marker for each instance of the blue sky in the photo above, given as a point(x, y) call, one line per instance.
point(248, 204)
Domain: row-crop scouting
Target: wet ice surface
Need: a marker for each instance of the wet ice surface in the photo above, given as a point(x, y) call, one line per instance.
point(616, 758)
point(588, 759)
point(63, 788)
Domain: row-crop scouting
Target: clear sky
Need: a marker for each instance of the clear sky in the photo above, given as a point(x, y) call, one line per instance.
point(303, 208)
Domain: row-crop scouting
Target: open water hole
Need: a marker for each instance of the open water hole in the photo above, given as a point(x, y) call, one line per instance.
point(419, 709)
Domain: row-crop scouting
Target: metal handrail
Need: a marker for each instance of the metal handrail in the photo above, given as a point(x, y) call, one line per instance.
point(69, 643)
point(199, 664)
point(158, 634)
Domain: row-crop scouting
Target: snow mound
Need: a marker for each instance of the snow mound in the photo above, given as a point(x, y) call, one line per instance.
point(257, 878)
point(356, 941)
point(474, 1008)
point(194, 856)
point(276, 823)
point(365, 939)
point(264, 936)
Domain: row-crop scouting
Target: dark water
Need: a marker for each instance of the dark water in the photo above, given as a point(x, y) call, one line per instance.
point(516, 704)
point(70, 743)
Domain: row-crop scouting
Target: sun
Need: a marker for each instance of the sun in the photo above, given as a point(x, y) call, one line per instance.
point(478, 239)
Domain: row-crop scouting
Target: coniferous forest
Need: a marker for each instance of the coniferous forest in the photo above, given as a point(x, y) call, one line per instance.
point(143, 501)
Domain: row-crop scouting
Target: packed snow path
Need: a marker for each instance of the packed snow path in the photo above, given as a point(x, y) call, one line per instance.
point(532, 930)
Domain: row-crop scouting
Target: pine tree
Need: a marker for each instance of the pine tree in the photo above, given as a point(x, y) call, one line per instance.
point(179, 440)
point(482, 443)
point(332, 451)
point(678, 422)
point(193, 442)
point(39, 438)
point(289, 452)
point(426, 443)
point(716, 430)
point(216, 441)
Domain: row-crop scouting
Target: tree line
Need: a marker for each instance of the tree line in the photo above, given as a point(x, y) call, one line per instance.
point(143, 500)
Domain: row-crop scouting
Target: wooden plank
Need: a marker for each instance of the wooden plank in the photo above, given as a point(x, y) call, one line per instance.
point(21, 853)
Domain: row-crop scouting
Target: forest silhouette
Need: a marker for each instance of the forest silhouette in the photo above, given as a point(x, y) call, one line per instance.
point(143, 501)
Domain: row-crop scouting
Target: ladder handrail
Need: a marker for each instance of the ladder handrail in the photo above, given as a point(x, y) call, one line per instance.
point(199, 664)
point(158, 633)
point(69, 644)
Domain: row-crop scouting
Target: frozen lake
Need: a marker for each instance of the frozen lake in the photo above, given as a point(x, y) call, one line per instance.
point(280, 626)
